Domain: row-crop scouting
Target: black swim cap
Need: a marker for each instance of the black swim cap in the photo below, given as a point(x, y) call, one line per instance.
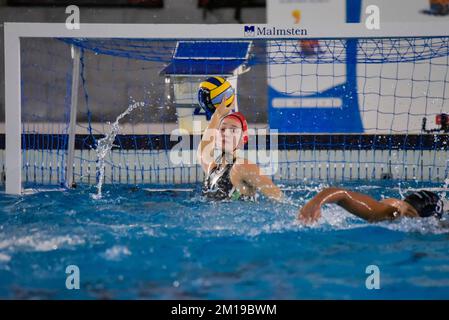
point(426, 203)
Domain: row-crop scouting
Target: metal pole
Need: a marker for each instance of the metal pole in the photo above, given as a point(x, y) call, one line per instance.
point(13, 115)
point(73, 111)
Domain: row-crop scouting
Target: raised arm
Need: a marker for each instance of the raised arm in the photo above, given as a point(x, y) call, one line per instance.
point(356, 203)
point(205, 152)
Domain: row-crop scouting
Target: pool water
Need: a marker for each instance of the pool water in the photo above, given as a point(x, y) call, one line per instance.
point(135, 244)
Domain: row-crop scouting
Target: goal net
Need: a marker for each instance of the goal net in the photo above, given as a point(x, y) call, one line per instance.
point(325, 109)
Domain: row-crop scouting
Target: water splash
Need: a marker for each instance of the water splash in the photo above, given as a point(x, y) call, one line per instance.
point(446, 187)
point(446, 181)
point(105, 145)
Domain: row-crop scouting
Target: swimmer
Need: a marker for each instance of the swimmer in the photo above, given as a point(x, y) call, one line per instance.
point(417, 204)
point(229, 177)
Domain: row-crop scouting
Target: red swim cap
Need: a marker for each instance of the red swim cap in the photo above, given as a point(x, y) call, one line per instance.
point(242, 120)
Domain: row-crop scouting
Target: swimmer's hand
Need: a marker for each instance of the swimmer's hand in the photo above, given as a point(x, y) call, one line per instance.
point(310, 213)
point(222, 110)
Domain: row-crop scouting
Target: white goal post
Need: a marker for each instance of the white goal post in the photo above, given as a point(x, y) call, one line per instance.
point(13, 32)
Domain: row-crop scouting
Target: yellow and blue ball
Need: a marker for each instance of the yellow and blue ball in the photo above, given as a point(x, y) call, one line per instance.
point(212, 91)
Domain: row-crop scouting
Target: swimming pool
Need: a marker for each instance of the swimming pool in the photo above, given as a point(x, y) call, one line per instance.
point(135, 244)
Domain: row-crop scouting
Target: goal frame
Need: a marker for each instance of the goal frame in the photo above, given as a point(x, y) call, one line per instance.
point(13, 32)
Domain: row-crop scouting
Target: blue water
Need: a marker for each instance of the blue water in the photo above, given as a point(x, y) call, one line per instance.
point(133, 244)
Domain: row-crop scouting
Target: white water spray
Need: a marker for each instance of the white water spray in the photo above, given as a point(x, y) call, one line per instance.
point(105, 145)
point(446, 174)
point(446, 186)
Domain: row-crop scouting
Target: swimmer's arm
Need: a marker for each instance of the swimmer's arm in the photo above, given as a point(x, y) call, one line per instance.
point(205, 152)
point(205, 149)
point(250, 174)
point(356, 203)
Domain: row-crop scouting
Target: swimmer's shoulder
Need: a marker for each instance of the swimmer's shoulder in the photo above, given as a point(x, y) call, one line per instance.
point(243, 167)
point(245, 164)
point(241, 174)
point(404, 208)
point(393, 202)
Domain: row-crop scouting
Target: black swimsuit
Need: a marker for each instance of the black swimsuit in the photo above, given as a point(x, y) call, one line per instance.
point(218, 185)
